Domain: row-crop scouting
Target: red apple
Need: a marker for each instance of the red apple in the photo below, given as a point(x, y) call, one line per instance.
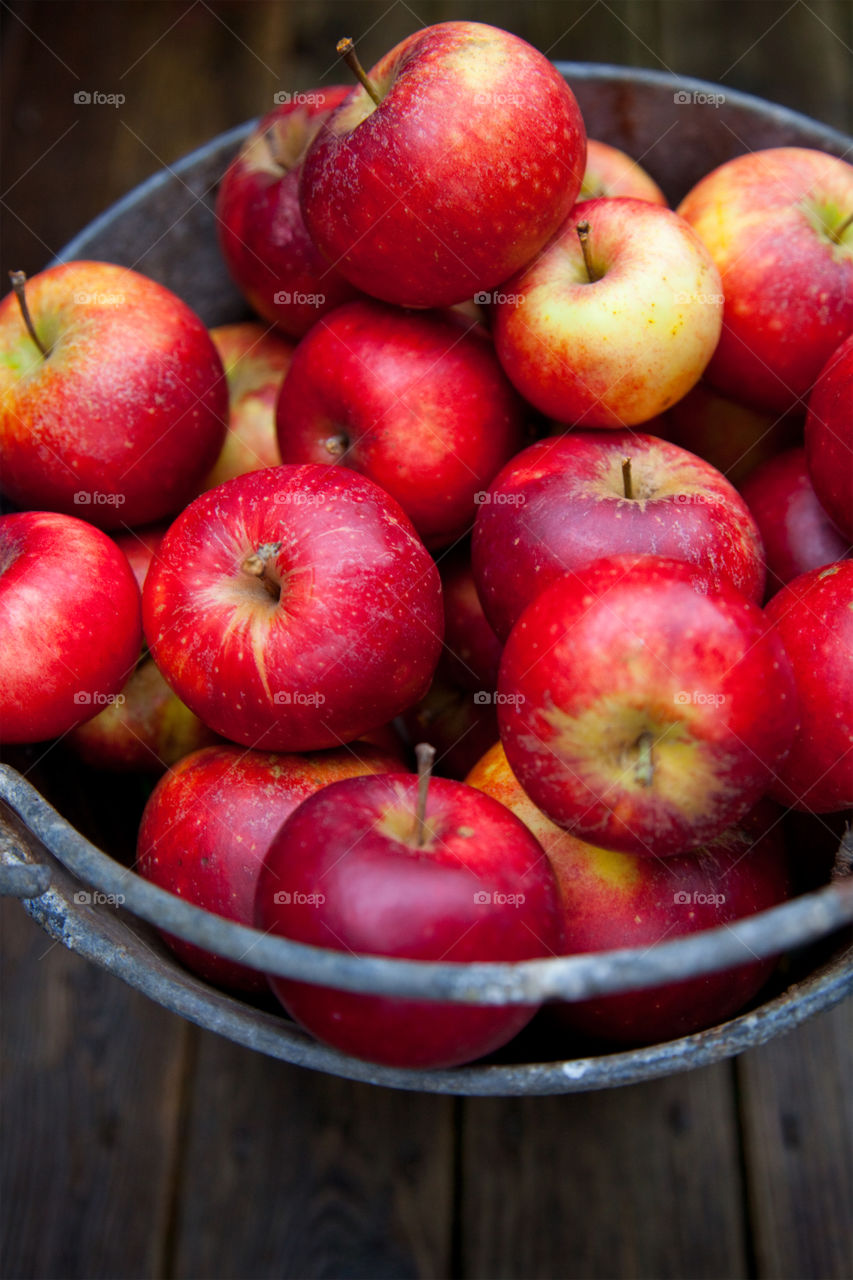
point(472, 651)
point(208, 825)
point(262, 234)
point(294, 608)
point(777, 225)
point(829, 438)
point(562, 503)
point(354, 869)
point(70, 622)
point(643, 706)
point(611, 333)
point(796, 531)
point(813, 618)
point(416, 402)
point(470, 161)
point(612, 900)
point(125, 413)
point(610, 172)
point(732, 437)
point(255, 363)
point(141, 546)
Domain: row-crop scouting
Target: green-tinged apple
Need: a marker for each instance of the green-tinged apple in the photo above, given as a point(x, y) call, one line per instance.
point(611, 172)
point(615, 320)
point(381, 866)
point(294, 608)
point(812, 616)
point(419, 403)
point(208, 825)
point(779, 225)
point(642, 706)
point(70, 622)
point(114, 405)
point(447, 169)
point(255, 362)
point(612, 900)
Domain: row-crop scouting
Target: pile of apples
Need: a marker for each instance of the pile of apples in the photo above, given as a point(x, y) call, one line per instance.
point(475, 323)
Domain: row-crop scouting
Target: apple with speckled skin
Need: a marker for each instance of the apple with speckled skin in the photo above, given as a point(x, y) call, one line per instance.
point(829, 438)
point(644, 707)
point(812, 616)
point(417, 402)
point(70, 622)
point(208, 824)
point(612, 335)
point(355, 869)
point(777, 224)
point(294, 608)
point(472, 158)
point(255, 362)
point(612, 900)
point(569, 499)
point(125, 412)
point(611, 172)
point(262, 234)
point(797, 533)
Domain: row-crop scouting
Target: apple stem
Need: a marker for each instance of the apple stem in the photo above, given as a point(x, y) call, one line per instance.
point(838, 232)
point(256, 565)
point(424, 754)
point(346, 49)
point(626, 478)
point(19, 282)
point(583, 236)
point(645, 768)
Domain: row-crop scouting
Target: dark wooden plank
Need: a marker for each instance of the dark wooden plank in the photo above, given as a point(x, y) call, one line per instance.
point(641, 1182)
point(91, 1077)
point(332, 1178)
point(797, 1110)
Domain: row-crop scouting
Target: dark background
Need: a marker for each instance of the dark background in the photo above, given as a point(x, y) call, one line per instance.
point(135, 1145)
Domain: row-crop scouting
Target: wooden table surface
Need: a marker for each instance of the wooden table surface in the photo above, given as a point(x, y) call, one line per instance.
point(134, 1144)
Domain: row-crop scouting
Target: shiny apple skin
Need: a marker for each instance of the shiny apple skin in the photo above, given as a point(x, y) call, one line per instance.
point(797, 533)
point(208, 824)
point(611, 172)
point(352, 641)
point(561, 503)
point(470, 163)
point(353, 846)
point(262, 234)
point(612, 900)
point(788, 284)
point(813, 618)
point(126, 413)
point(643, 709)
point(70, 622)
point(418, 402)
point(829, 438)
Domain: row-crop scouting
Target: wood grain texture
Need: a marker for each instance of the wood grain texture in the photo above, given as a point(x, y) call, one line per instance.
point(291, 1174)
point(797, 1109)
point(90, 1094)
point(640, 1182)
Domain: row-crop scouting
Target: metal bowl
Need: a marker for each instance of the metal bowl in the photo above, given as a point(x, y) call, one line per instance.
point(679, 129)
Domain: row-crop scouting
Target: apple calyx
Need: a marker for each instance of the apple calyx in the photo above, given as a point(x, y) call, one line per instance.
point(627, 484)
point(257, 565)
point(346, 49)
point(424, 754)
point(837, 233)
point(583, 235)
point(19, 282)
